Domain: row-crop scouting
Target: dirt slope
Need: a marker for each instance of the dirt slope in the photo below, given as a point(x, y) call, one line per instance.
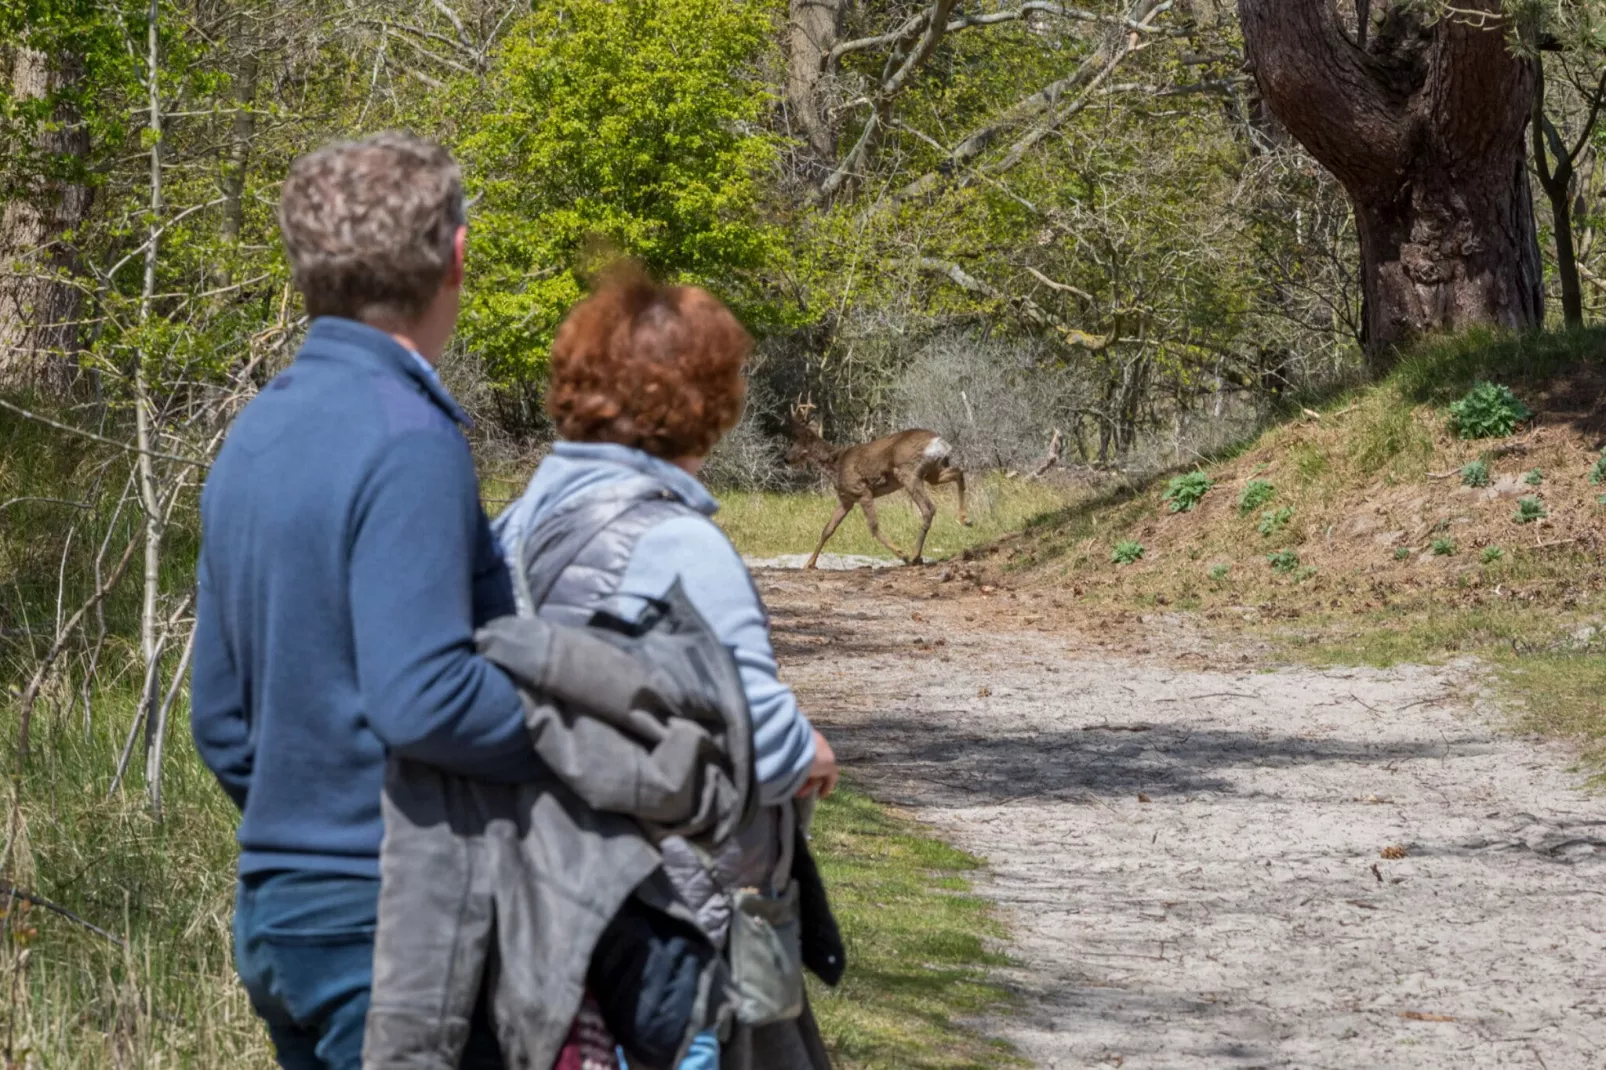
point(1191, 849)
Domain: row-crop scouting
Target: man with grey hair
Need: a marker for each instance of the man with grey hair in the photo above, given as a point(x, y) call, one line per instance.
point(345, 565)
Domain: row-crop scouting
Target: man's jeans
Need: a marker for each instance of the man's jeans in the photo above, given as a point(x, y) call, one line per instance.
point(304, 946)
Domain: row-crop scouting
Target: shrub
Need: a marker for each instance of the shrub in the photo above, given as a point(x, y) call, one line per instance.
point(1126, 552)
point(1219, 572)
point(665, 157)
point(1534, 478)
point(991, 399)
point(1186, 491)
point(1491, 554)
point(1284, 561)
point(1273, 521)
point(1257, 493)
point(1529, 510)
point(1401, 553)
point(1475, 474)
point(1443, 547)
point(1489, 410)
point(1597, 474)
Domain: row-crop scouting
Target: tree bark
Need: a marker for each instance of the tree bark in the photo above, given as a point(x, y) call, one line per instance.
point(242, 131)
point(39, 302)
point(1424, 129)
point(811, 34)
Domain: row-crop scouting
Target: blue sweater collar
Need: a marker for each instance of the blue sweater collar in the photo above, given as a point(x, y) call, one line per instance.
point(333, 338)
point(681, 483)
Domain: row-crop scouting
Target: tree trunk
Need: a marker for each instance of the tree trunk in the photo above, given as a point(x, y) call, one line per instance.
point(1572, 292)
point(1424, 129)
point(39, 302)
point(1556, 180)
point(811, 34)
point(242, 131)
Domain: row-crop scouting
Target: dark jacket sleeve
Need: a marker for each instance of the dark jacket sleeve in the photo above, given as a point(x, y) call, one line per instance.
point(417, 545)
point(217, 697)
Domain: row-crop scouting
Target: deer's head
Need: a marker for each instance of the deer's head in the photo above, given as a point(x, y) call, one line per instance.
point(808, 445)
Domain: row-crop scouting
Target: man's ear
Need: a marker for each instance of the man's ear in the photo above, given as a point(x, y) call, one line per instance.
point(454, 276)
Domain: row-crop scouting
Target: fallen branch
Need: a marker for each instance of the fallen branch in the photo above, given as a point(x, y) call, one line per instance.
point(12, 892)
point(129, 447)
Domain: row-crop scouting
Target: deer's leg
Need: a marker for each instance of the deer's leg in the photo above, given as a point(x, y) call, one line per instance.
point(867, 503)
point(830, 529)
point(927, 513)
point(957, 478)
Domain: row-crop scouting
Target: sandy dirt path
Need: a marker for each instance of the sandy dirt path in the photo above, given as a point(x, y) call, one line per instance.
point(1190, 850)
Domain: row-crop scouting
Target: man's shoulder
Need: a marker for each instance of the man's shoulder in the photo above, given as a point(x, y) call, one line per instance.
point(336, 407)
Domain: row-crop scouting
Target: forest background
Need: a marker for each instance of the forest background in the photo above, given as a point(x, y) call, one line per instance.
point(995, 218)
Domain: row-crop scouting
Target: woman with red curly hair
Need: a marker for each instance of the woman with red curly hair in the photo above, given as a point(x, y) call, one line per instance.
point(644, 380)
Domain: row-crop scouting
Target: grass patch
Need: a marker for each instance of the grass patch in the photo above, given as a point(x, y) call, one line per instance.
point(1443, 371)
point(1560, 694)
point(75, 1000)
point(770, 524)
point(916, 936)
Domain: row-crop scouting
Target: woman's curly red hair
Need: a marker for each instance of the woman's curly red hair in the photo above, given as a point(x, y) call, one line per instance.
point(655, 367)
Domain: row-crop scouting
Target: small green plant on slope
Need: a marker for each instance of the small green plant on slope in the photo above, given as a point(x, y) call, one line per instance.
point(1529, 510)
point(1443, 547)
point(1219, 572)
point(1597, 474)
point(1534, 478)
point(1401, 553)
point(1255, 494)
point(1491, 554)
point(1475, 474)
point(1489, 410)
point(1274, 520)
point(1126, 552)
point(1284, 561)
point(1186, 491)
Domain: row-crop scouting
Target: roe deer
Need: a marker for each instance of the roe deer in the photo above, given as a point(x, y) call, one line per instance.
point(908, 460)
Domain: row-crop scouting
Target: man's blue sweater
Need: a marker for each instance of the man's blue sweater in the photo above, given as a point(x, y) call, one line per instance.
point(345, 562)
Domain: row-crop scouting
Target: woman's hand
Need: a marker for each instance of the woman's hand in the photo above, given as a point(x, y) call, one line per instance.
point(823, 774)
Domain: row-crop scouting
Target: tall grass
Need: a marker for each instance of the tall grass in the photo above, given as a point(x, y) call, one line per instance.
point(1440, 371)
point(768, 525)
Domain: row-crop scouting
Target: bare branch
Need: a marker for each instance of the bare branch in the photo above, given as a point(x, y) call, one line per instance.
point(992, 18)
point(1027, 308)
point(1060, 286)
point(128, 447)
point(30, 694)
point(12, 892)
point(1088, 75)
point(452, 17)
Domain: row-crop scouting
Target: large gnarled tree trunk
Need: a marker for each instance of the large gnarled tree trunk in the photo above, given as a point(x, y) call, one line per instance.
point(39, 307)
point(1424, 128)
